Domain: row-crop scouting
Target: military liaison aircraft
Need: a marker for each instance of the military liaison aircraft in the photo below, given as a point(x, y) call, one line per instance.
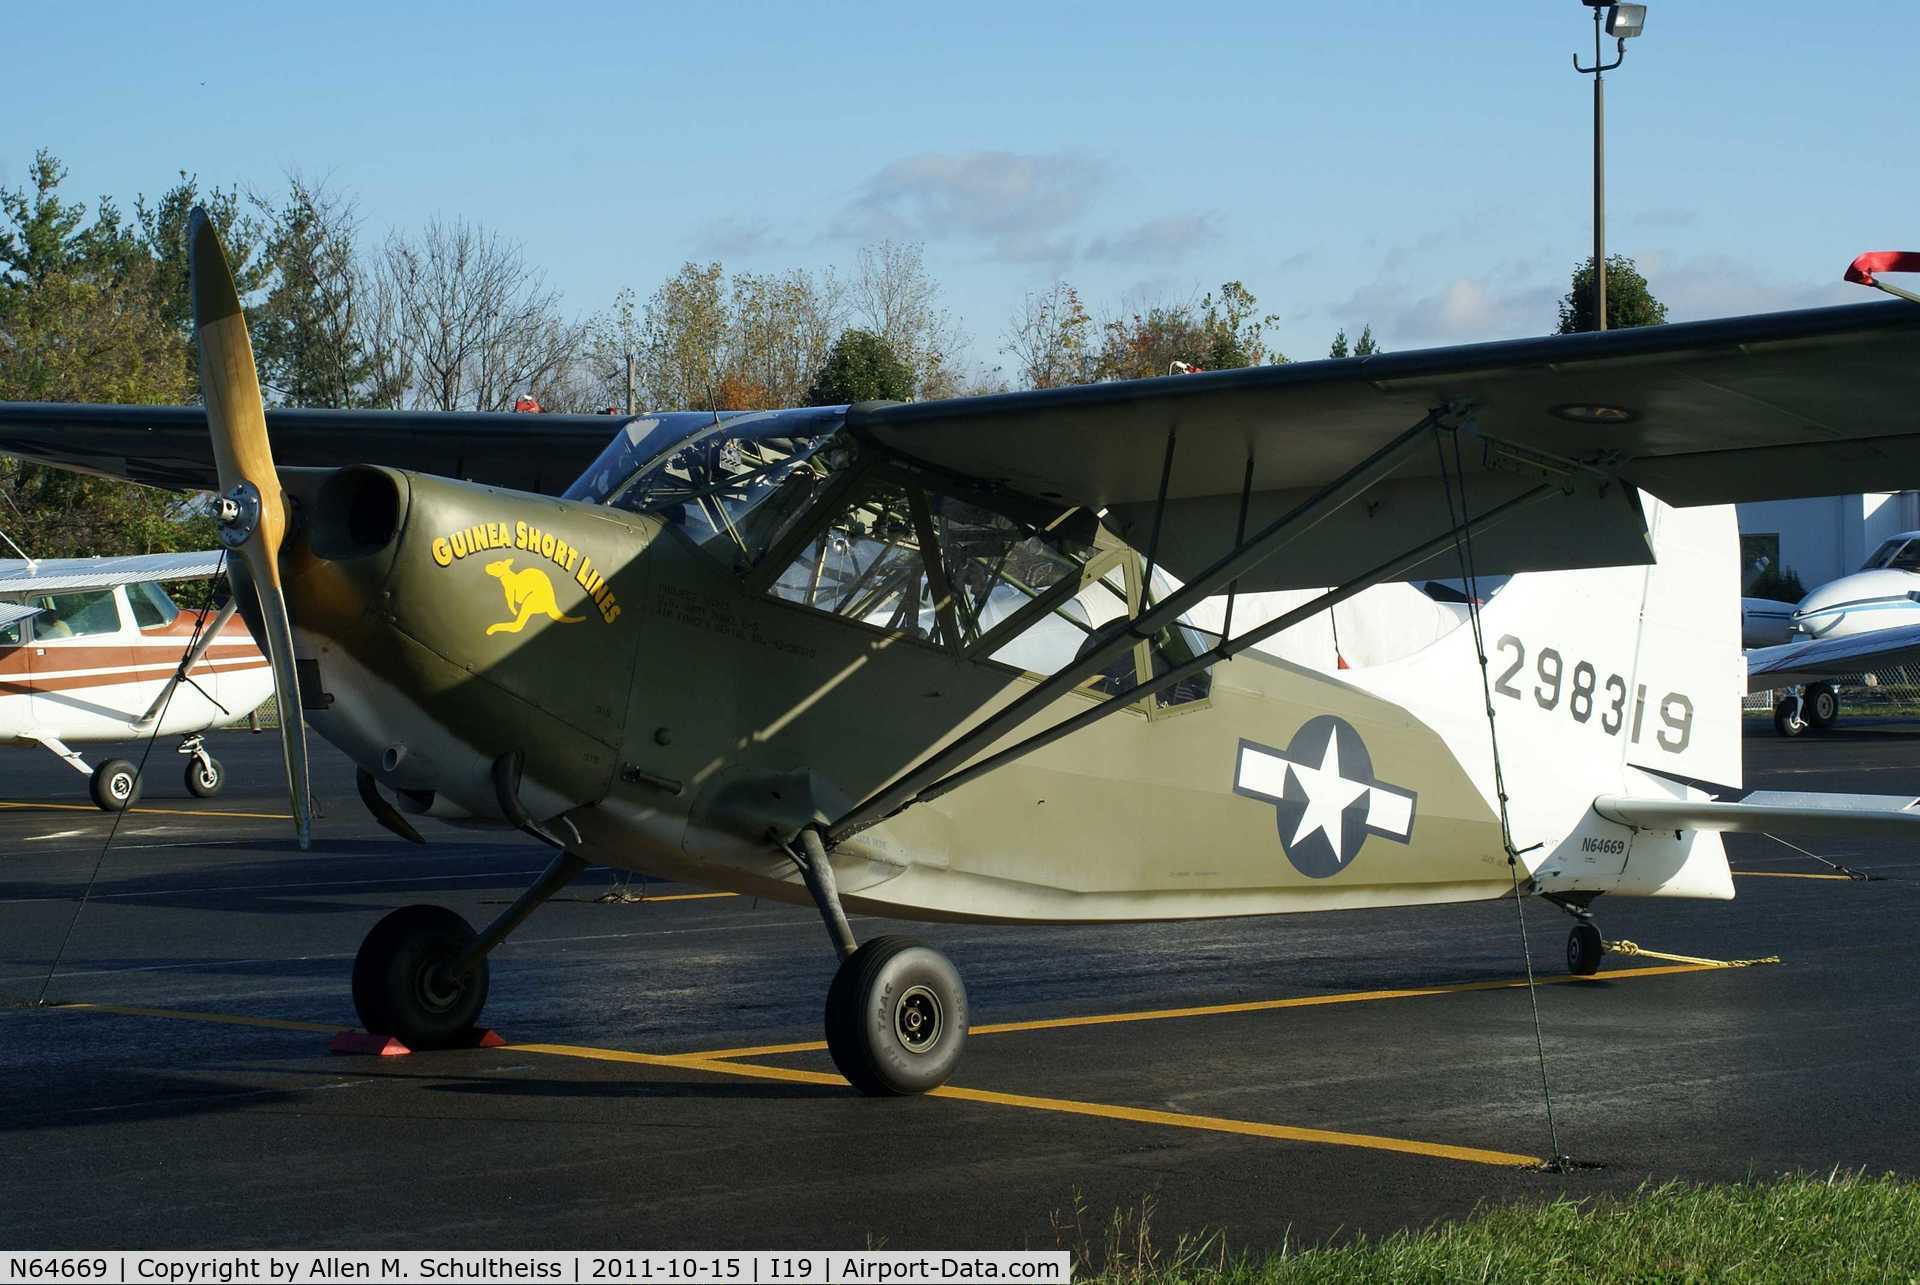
point(941, 661)
point(91, 651)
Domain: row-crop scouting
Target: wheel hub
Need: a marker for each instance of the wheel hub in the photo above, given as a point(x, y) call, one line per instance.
point(917, 1019)
point(438, 989)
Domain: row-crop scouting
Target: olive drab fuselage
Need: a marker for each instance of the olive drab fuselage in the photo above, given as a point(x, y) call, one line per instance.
point(681, 714)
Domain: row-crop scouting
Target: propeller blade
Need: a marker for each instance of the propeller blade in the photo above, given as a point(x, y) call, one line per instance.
point(252, 508)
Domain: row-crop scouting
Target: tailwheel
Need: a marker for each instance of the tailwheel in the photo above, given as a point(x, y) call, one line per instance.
point(896, 1017)
point(1584, 950)
point(402, 986)
point(115, 785)
point(205, 776)
point(1823, 706)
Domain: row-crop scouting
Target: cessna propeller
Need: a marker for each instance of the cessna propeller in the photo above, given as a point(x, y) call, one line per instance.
point(252, 508)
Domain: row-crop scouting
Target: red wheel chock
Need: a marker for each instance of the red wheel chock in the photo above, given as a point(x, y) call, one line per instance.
point(368, 1043)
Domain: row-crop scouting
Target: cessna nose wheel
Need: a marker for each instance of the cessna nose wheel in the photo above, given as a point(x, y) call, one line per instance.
point(403, 987)
point(896, 1017)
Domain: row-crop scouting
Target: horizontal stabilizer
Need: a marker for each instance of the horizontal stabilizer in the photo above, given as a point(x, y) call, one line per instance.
point(1772, 812)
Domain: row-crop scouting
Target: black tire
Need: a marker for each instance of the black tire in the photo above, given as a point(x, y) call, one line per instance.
point(896, 1018)
point(1783, 722)
point(205, 777)
point(399, 988)
point(1822, 706)
point(115, 786)
point(1584, 950)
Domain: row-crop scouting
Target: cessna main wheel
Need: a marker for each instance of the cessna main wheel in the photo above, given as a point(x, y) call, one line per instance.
point(896, 1018)
point(205, 776)
point(401, 985)
point(115, 785)
point(1822, 706)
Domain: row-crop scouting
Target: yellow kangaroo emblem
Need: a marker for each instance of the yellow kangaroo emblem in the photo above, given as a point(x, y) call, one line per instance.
point(529, 594)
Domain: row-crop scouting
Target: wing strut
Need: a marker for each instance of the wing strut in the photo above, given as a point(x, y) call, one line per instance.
point(938, 773)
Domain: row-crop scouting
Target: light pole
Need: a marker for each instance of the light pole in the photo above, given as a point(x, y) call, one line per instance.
point(1621, 21)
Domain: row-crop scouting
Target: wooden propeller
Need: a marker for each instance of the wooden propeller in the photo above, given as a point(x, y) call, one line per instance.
point(251, 507)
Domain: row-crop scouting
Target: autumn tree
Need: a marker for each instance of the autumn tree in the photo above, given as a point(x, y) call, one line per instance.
point(475, 324)
point(1219, 332)
point(1049, 338)
point(861, 366)
point(893, 296)
point(1629, 301)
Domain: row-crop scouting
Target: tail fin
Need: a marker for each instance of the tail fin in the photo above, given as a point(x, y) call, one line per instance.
point(1594, 674)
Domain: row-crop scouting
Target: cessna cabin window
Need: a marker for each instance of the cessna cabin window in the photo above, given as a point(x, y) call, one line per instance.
point(75, 615)
point(11, 633)
point(151, 605)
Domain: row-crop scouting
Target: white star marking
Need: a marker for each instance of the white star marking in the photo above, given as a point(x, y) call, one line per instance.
point(1328, 795)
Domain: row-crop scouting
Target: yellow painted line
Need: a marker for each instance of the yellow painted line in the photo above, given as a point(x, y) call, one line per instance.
point(685, 896)
point(1790, 874)
point(222, 1019)
point(9, 805)
point(1059, 1106)
point(1251, 1006)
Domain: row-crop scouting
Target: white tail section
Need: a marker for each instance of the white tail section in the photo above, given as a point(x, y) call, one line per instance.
point(1597, 678)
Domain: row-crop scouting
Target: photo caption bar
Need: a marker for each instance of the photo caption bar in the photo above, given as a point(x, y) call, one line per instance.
point(571, 1267)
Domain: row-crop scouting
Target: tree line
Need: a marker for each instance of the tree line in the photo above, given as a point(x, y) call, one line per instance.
point(94, 307)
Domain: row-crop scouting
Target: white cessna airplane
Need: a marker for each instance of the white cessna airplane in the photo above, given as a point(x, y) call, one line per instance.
point(91, 650)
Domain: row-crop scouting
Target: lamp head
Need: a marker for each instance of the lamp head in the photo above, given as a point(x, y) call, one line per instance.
point(1625, 21)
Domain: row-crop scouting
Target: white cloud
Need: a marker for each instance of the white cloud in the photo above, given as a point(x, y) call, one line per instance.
point(1018, 206)
point(734, 236)
point(1168, 239)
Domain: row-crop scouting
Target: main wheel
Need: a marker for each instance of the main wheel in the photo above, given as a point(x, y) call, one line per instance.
point(1784, 722)
point(400, 983)
point(205, 776)
point(1822, 706)
point(896, 1017)
point(115, 785)
point(1584, 950)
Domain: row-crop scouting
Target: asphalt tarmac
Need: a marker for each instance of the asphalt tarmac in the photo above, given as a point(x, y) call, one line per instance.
point(1295, 1078)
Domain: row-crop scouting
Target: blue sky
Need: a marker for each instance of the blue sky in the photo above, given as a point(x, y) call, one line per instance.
point(1422, 166)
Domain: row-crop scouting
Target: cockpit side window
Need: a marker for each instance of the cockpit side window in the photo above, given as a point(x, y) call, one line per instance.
point(866, 565)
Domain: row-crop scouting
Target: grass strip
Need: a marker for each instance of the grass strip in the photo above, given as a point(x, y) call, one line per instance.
point(1841, 1227)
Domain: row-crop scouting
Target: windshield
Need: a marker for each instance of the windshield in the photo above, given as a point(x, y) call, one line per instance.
point(1897, 554)
point(730, 483)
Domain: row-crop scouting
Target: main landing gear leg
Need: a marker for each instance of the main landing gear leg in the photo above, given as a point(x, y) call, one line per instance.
point(421, 974)
point(1585, 948)
point(896, 1012)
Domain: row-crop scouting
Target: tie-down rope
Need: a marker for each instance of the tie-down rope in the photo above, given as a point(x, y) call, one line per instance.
point(139, 774)
point(1463, 551)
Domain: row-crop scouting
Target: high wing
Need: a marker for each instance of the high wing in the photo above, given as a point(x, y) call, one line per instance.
point(1791, 664)
point(1817, 402)
point(167, 446)
point(53, 575)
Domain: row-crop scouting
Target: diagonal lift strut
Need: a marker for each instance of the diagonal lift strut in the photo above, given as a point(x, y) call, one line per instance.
point(939, 773)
